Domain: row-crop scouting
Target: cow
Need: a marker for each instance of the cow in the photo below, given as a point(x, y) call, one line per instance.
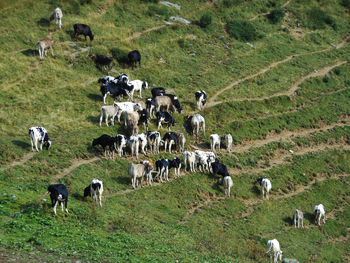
point(143, 119)
point(134, 144)
point(197, 123)
point(265, 186)
point(201, 98)
point(105, 140)
point(190, 158)
point(154, 139)
point(134, 57)
point(58, 195)
point(176, 164)
point(121, 142)
point(82, 29)
point(151, 107)
point(298, 217)
point(319, 213)
point(204, 159)
point(138, 86)
point(108, 111)
point(228, 183)
point(162, 167)
point(228, 140)
point(220, 169)
point(273, 248)
point(43, 46)
point(214, 142)
point(103, 60)
point(171, 138)
point(157, 92)
point(39, 134)
point(166, 118)
point(138, 172)
point(92, 189)
point(112, 89)
point(57, 14)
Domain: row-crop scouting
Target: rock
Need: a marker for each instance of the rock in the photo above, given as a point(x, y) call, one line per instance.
point(72, 44)
point(192, 54)
point(166, 3)
point(250, 44)
point(333, 45)
point(13, 196)
point(222, 37)
point(180, 19)
point(290, 260)
point(161, 60)
point(168, 23)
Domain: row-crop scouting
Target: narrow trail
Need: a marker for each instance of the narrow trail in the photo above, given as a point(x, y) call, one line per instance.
point(211, 101)
point(138, 34)
point(75, 164)
point(24, 159)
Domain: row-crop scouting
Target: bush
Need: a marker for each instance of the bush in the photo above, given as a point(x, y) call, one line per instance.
point(242, 30)
point(345, 3)
point(337, 71)
point(159, 10)
point(276, 15)
point(317, 19)
point(205, 20)
point(325, 79)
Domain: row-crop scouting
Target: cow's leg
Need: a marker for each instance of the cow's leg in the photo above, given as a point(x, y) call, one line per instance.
point(262, 189)
point(170, 143)
point(54, 207)
point(106, 119)
point(61, 206)
point(31, 142)
point(104, 98)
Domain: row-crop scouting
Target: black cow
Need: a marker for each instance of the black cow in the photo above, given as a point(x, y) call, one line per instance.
point(112, 89)
point(144, 119)
point(103, 60)
point(105, 140)
point(157, 92)
point(134, 57)
point(165, 117)
point(219, 168)
point(162, 167)
point(171, 138)
point(176, 164)
point(58, 194)
point(81, 29)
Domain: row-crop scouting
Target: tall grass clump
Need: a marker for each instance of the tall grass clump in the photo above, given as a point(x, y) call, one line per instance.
point(242, 30)
point(345, 3)
point(276, 15)
point(159, 10)
point(205, 20)
point(318, 19)
point(230, 3)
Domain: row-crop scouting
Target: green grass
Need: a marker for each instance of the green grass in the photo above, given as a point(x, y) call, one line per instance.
point(187, 219)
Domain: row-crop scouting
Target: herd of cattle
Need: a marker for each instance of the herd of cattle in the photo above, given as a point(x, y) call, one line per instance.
point(160, 106)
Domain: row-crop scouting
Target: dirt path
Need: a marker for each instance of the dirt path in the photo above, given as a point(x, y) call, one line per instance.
point(138, 34)
point(25, 158)
point(212, 100)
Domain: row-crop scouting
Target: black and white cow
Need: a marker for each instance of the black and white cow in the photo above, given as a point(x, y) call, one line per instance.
point(95, 187)
point(107, 79)
point(157, 92)
point(175, 101)
point(112, 89)
point(134, 57)
point(82, 29)
point(105, 140)
point(58, 195)
point(176, 164)
point(39, 134)
point(171, 138)
point(162, 167)
point(201, 98)
point(153, 139)
point(164, 117)
point(219, 168)
point(144, 119)
point(151, 107)
point(121, 142)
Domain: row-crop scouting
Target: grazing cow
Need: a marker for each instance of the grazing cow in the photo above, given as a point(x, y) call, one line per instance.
point(39, 134)
point(142, 142)
point(123, 78)
point(215, 142)
point(43, 46)
point(148, 176)
point(165, 102)
point(190, 158)
point(121, 142)
point(176, 164)
point(273, 248)
point(57, 14)
point(165, 118)
point(138, 171)
point(134, 144)
point(105, 140)
point(162, 167)
point(204, 159)
point(132, 119)
point(201, 98)
point(95, 187)
point(228, 183)
point(134, 57)
point(112, 89)
point(81, 29)
point(182, 141)
point(265, 186)
point(108, 111)
point(151, 107)
point(157, 92)
point(228, 140)
point(138, 86)
point(298, 217)
point(127, 107)
point(107, 79)
point(144, 119)
point(175, 101)
point(154, 139)
point(103, 60)
point(197, 123)
point(171, 138)
point(319, 213)
point(219, 168)
point(58, 195)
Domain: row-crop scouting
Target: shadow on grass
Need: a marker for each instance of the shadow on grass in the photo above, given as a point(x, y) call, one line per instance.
point(78, 196)
point(30, 52)
point(71, 34)
point(21, 144)
point(124, 180)
point(43, 22)
point(288, 220)
point(93, 119)
point(95, 97)
point(310, 217)
point(256, 190)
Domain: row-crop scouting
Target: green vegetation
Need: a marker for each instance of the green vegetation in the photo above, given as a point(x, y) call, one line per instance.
point(288, 117)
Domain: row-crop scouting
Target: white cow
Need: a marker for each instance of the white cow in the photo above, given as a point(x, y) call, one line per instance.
point(57, 14)
point(214, 142)
point(108, 111)
point(197, 124)
point(204, 159)
point(96, 187)
point(228, 140)
point(228, 183)
point(298, 217)
point(265, 186)
point(39, 134)
point(134, 143)
point(273, 248)
point(319, 213)
point(138, 86)
point(143, 142)
point(190, 158)
point(126, 107)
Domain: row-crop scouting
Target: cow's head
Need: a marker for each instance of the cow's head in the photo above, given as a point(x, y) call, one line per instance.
point(48, 144)
point(259, 180)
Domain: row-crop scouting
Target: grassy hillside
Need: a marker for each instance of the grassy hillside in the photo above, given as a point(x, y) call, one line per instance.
point(280, 85)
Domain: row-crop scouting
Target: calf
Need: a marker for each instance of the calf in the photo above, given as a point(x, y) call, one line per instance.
point(58, 195)
point(108, 111)
point(151, 107)
point(43, 46)
point(162, 167)
point(154, 139)
point(132, 120)
point(143, 142)
point(112, 89)
point(165, 118)
point(134, 57)
point(298, 217)
point(127, 107)
point(107, 79)
point(103, 60)
point(228, 140)
point(157, 92)
point(228, 183)
point(190, 158)
point(95, 187)
point(197, 124)
point(105, 140)
point(134, 144)
point(144, 119)
point(171, 138)
point(138, 86)
point(265, 186)
point(214, 142)
point(201, 98)
point(204, 159)
point(81, 29)
point(57, 14)
point(176, 164)
point(137, 172)
point(39, 134)
point(273, 248)
point(182, 141)
point(319, 213)
point(219, 168)
point(121, 142)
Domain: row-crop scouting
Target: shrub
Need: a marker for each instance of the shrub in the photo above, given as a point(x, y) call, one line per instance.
point(276, 15)
point(317, 19)
point(325, 79)
point(205, 20)
point(337, 71)
point(242, 30)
